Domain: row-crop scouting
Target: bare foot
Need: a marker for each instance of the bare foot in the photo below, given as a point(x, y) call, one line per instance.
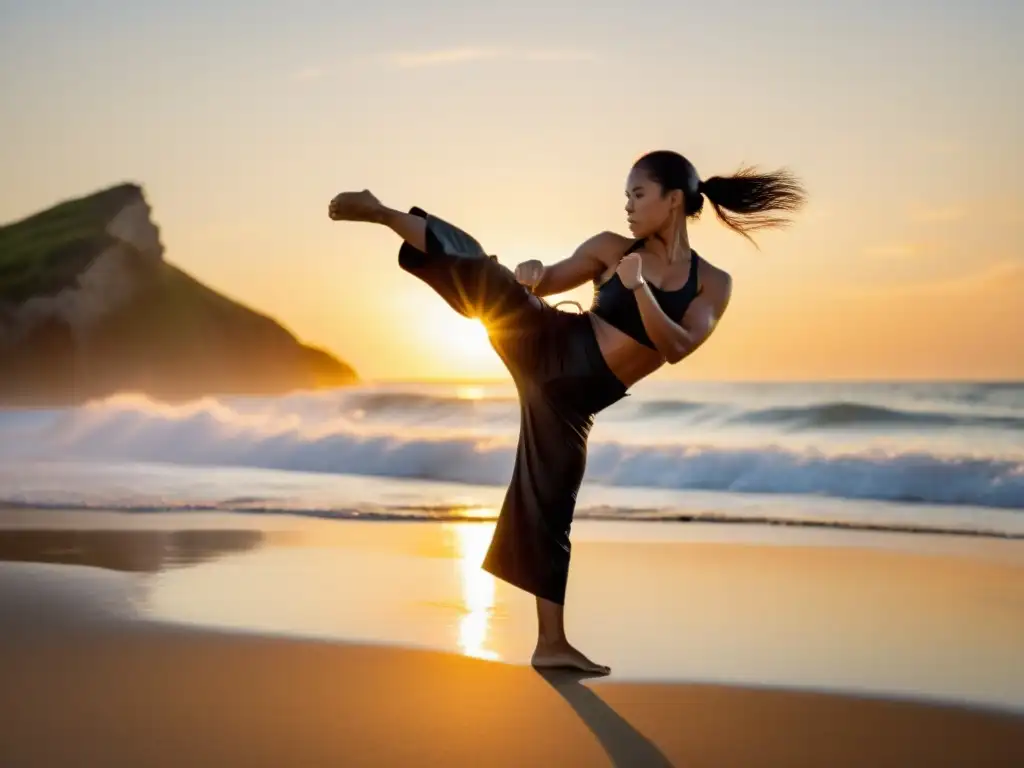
point(356, 206)
point(564, 656)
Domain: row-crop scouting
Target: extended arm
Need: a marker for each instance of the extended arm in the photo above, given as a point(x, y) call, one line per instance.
point(588, 261)
point(676, 340)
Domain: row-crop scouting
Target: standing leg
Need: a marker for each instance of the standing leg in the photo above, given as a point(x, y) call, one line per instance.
point(553, 649)
point(530, 548)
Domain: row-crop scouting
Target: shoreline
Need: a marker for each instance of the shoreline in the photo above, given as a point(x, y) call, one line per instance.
point(399, 514)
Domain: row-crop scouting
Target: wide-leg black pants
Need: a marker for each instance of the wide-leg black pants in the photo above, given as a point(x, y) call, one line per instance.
point(562, 380)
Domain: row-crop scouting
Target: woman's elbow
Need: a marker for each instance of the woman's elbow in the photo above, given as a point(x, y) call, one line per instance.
point(681, 347)
point(675, 353)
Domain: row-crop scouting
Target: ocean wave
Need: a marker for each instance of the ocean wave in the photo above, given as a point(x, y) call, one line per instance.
point(848, 414)
point(830, 415)
point(655, 408)
point(212, 434)
point(404, 402)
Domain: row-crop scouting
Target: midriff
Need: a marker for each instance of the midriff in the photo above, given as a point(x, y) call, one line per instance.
point(627, 358)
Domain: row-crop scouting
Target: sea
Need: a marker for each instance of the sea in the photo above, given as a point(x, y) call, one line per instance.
point(929, 457)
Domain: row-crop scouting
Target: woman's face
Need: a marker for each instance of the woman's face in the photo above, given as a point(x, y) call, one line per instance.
point(648, 208)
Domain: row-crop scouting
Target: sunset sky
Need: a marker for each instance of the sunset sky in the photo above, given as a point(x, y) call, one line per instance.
point(241, 120)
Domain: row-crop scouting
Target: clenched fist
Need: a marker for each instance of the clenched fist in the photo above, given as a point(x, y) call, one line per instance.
point(629, 271)
point(530, 273)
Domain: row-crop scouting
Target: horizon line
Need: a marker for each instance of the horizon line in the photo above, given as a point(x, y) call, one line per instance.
point(712, 380)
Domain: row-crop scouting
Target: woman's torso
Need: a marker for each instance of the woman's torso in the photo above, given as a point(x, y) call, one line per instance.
point(674, 287)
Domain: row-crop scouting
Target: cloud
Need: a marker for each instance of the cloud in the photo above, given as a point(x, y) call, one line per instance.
point(1004, 276)
point(935, 215)
point(307, 73)
point(897, 249)
point(941, 146)
point(451, 56)
point(819, 212)
point(894, 250)
point(557, 55)
point(442, 57)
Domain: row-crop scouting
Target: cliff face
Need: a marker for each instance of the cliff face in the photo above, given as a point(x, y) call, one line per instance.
point(89, 307)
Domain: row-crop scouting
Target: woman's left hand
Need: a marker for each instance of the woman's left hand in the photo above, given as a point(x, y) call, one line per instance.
point(629, 271)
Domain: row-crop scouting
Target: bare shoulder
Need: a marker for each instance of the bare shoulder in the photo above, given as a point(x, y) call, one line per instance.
point(607, 247)
point(715, 283)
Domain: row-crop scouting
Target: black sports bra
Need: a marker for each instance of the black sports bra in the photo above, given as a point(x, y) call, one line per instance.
point(616, 304)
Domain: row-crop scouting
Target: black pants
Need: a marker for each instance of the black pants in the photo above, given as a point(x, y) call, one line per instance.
point(562, 380)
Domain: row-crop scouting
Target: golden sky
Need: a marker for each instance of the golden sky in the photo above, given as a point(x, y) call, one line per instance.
point(520, 124)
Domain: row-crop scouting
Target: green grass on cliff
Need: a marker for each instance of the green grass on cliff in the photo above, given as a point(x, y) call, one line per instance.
point(44, 253)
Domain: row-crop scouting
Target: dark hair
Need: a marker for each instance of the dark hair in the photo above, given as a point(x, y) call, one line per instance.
point(745, 201)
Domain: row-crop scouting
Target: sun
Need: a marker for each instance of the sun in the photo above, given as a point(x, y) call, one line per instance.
point(457, 345)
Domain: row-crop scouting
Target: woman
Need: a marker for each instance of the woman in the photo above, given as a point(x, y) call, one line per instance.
point(655, 301)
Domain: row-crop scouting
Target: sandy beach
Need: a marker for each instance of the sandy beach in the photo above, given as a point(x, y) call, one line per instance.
point(233, 640)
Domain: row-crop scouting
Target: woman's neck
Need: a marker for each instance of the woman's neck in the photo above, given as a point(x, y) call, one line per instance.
point(672, 244)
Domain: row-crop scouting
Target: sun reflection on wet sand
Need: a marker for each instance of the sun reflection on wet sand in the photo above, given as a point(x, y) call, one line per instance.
point(478, 586)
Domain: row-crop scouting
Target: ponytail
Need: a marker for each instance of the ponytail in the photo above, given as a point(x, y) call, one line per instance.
point(748, 200)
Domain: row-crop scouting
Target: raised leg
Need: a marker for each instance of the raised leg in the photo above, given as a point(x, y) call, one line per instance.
point(449, 260)
point(364, 206)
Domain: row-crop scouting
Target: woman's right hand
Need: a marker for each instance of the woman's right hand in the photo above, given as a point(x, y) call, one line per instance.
point(530, 273)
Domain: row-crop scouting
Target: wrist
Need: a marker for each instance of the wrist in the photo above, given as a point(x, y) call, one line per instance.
point(637, 285)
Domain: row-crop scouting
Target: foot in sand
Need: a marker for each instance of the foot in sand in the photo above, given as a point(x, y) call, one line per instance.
point(563, 656)
point(356, 206)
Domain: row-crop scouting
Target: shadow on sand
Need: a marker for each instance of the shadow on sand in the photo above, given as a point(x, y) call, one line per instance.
point(623, 743)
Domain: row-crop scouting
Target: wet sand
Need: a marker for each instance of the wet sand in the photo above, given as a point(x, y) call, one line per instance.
point(103, 665)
